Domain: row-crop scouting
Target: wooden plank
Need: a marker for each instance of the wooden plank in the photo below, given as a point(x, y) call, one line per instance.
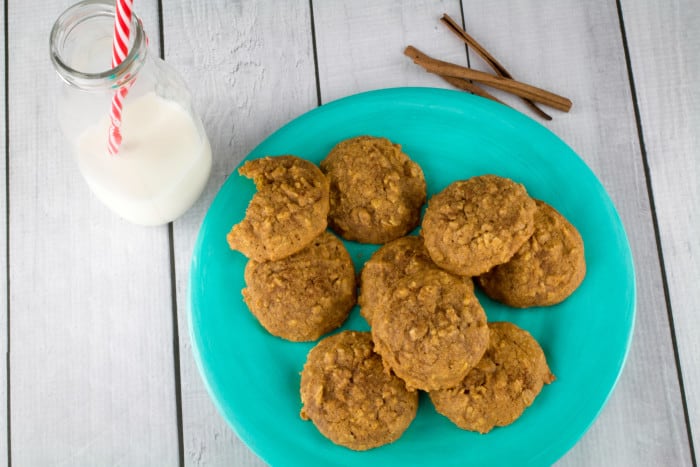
point(577, 50)
point(664, 46)
point(90, 300)
point(3, 264)
point(250, 72)
point(360, 44)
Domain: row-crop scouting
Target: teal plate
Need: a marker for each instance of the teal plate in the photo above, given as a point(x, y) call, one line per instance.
point(253, 377)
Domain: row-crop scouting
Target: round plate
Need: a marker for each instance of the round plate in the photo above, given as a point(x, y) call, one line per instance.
point(253, 376)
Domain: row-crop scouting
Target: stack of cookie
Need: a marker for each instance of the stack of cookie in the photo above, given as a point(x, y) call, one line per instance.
point(428, 330)
point(300, 280)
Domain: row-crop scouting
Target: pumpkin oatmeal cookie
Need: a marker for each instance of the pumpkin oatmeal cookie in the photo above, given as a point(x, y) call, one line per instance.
point(501, 386)
point(476, 224)
point(431, 331)
point(289, 210)
point(398, 258)
point(546, 269)
point(376, 191)
point(350, 397)
point(303, 296)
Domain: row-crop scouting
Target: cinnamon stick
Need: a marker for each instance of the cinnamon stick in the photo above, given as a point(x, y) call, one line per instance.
point(468, 86)
point(518, 88)
point(488, 58)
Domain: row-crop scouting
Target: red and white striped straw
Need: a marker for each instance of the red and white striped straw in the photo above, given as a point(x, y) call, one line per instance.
point(120, 49)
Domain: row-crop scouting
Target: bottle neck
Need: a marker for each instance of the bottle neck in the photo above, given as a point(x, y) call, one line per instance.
point(81, 47)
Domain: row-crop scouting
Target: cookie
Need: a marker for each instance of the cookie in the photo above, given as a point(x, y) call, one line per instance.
point(501, 386)
point(476, 224)
point(431, 331)
point(376, 191)
point(303, 296)
point(546, 269)
point(398, 258)
point(289, 210)
point(348, 395)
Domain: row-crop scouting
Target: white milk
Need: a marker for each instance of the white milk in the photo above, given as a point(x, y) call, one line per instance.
point(162, 165)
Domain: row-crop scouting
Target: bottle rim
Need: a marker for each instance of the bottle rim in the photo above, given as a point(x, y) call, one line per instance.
point(112, 78)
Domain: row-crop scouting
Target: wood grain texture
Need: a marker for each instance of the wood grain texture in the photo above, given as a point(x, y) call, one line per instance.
point(3, 262)
point(576, 49)
point(90, 301)
point(251, 69)
point(585, 54)
point(664, 47)
point(360, 44)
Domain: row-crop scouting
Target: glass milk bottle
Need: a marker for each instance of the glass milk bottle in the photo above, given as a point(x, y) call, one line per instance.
point(164, 159)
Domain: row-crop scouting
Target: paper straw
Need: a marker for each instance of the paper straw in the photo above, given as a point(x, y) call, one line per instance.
point(120, 49)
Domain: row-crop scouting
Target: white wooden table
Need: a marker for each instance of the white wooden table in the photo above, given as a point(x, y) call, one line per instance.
point(99, 369)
